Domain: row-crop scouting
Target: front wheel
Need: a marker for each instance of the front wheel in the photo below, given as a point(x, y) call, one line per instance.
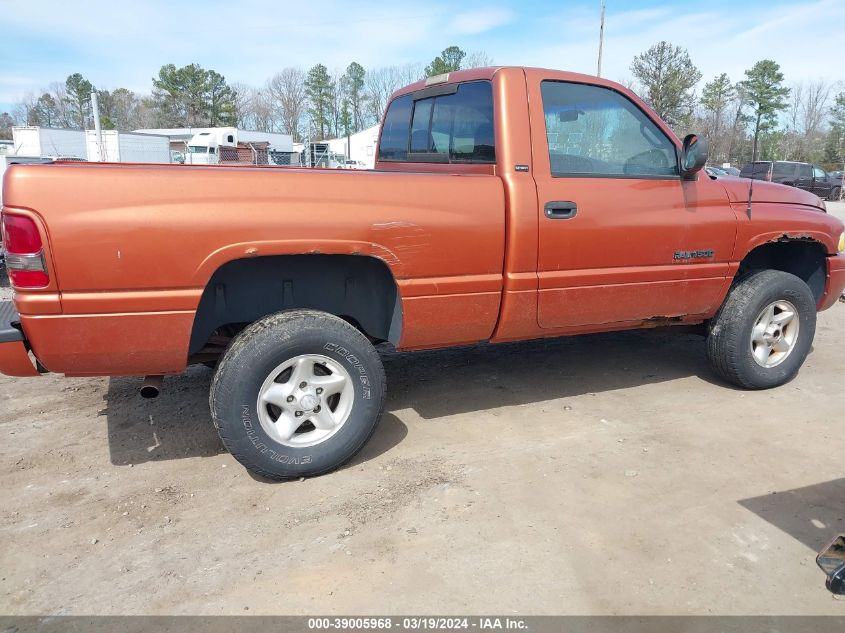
point(763, 332)
point(834, 194)
point(297, 394)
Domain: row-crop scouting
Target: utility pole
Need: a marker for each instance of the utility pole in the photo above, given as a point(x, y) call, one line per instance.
point(601, 39)
point(95, 106)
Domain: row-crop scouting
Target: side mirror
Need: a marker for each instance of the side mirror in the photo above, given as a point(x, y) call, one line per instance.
point(831, 560)
point(693, 156)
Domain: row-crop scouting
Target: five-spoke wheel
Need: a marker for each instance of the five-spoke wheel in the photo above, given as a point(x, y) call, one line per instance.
point(305, 400)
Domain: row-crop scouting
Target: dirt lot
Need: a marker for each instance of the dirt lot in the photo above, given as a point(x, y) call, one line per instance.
point(507, 479)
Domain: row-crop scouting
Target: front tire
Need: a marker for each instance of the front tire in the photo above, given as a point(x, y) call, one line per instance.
point(297, 394)
point(834, 194)
point(763, 332)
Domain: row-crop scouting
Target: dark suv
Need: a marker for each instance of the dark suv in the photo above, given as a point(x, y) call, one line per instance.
point(802, 175)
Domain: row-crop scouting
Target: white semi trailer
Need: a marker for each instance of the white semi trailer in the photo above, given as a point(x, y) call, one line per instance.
point(126, 147)
point(35, 142)
point(113, 146)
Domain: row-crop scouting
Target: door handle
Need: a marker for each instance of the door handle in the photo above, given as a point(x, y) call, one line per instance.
point(560, 210)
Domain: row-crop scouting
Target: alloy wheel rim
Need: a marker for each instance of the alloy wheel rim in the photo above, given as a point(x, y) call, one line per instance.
point(305, 400)
point(775, 333)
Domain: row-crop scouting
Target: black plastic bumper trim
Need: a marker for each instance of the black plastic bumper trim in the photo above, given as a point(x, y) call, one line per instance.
point(9, 323)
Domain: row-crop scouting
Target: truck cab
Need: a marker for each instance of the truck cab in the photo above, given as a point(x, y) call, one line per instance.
point(202, 149)
point(205, 146)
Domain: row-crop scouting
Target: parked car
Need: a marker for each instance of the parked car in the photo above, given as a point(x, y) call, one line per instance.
point(805, 176)
point(731, 171)
point(715, 171)
point(506, 204)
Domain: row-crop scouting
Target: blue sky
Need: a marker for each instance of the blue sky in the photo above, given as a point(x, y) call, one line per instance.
point(124, 43)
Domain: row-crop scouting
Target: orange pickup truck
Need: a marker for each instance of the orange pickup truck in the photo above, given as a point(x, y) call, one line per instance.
point(506, 204)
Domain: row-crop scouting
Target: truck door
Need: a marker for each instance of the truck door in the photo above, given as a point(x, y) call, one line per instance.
point(621, 237)
point(804, 177)
point(821, 183)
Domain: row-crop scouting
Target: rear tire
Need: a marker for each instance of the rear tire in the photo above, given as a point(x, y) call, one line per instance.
point(297, 394)
point(763, 331)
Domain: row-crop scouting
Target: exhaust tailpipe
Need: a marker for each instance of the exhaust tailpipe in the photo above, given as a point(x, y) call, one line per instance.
point(151, 386)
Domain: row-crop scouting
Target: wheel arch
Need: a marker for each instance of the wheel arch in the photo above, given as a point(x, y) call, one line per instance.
point(359, 288)
point(804, 257)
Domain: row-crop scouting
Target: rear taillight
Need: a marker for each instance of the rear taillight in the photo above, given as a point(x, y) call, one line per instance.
point(24, 252)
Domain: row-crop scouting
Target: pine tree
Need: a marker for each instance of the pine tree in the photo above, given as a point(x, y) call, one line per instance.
point(766, 95)
point(320, 88)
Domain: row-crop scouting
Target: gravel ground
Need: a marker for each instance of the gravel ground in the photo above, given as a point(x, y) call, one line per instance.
point(507, 479)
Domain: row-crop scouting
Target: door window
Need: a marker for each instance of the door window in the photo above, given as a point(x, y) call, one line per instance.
point(596, 131)
point(818, 173)
point(805, 171)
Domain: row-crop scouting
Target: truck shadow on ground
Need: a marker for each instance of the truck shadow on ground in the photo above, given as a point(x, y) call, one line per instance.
point(178, 424)
point(435, 384)
point(461, 380)
point(812, 515)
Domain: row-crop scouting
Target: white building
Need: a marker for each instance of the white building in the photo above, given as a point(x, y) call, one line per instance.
point(359, 146)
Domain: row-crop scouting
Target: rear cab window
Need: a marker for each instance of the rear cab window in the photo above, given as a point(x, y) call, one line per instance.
point(444, 124)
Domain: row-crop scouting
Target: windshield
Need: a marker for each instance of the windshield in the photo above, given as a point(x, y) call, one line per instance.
point(197, 149)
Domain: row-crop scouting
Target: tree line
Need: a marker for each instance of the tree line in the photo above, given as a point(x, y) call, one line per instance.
point(757, 115)
point(316, 103)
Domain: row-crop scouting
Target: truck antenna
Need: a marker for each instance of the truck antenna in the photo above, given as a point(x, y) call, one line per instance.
point(601, 39)
point(751, 184)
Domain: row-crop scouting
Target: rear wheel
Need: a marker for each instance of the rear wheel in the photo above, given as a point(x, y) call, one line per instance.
point(297, 394)
point(763, 332)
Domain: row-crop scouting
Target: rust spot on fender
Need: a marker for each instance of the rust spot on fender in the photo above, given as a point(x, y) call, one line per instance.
point(792, 237)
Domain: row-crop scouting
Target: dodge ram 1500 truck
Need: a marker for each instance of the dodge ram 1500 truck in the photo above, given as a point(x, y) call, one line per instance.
point(505, 204)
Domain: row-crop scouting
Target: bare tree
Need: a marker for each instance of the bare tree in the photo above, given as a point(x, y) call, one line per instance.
point(815, 106)
point(409, 73)
point(254, 108)
point(286, 93)
point(25, 111)
point(740, 118)
point(381, 83)
point(477, 59)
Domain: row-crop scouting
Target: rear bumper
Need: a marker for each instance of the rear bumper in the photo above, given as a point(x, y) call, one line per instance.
point(14, 357)
point(835, 281)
